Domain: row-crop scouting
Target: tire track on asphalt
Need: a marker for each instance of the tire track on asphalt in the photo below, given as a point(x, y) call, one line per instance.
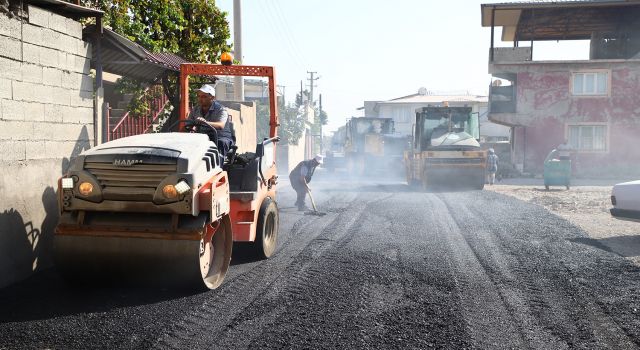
point(489, 316)
point(307, 267)
point(233, 298)
point(545, 307)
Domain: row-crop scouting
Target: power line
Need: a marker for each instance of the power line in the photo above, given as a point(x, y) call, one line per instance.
point(283, 20)
point(277, 31)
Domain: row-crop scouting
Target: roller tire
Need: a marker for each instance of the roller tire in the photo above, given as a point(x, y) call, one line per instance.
point(267, 229)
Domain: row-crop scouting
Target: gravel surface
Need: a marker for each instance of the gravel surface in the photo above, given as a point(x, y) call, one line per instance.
point(588, 208)
point(385, 268)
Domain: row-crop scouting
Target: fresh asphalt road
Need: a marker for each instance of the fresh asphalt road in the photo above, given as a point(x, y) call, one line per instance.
point(387, 267)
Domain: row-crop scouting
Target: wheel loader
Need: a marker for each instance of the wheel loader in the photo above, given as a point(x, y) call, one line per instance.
point(165, 206)
point(371, 144)
point(446, 149)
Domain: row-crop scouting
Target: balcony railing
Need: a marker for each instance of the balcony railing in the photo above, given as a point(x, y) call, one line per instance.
point(510, 55)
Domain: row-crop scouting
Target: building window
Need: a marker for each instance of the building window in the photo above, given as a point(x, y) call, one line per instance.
point(591, 83)
point(589, 138)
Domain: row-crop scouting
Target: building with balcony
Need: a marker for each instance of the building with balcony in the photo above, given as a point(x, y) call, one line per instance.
point(592, 103)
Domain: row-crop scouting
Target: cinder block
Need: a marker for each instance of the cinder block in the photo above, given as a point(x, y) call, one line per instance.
point(30, 53)
point(52, 76)
point(70, 62)
point(10, 48)
point(82, 65)
point(36, 150)
point(10, 27)
point(32, 34)
point(38, 16)
point(86, 83)
point(55, 113)
point(74, 28)
point(69, 44)
point(58, 23)
point(12, 110)
point(51, 39)
point(81, 99)
point(59, 132)
point(10, 69)
point(64, 25)
point(43, 131)
point(12, 150)
point(71, 80)
point(44, 94)
point(49, 57)
point(34, 111)
point(84, 49)
point(31, 73)
point(23, 91)
point(62, 149)
point(61, 96)
point(5, 89)
point(78, 115)
point(16, 130)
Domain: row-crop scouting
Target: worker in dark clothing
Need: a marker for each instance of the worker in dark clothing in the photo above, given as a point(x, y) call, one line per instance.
point(213, 113)
point(492, 166)
point(300, 177)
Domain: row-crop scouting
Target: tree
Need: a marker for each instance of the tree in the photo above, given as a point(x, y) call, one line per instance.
point(292, 123)
point(196, 30)
point(300, 100)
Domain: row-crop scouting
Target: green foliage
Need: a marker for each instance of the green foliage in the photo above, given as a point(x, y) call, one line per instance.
point(321, 117)
point(196, 30)
point(299, 99)
point(140, 103)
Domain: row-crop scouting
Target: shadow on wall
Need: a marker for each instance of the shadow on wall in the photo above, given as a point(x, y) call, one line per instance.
point(82, 144)
point(26, 247)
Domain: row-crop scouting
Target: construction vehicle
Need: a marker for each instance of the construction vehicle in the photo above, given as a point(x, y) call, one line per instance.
point(446, 149)
point(374, 143)
point(166, 206)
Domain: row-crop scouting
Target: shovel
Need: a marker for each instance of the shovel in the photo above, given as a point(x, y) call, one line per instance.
point(313, 203)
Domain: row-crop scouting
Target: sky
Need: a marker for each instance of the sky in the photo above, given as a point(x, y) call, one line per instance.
point(374, 49)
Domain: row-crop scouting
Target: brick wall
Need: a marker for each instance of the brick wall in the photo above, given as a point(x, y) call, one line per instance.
point(46, 118)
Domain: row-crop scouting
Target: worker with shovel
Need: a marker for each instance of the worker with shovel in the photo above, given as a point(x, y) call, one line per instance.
point(300, 177)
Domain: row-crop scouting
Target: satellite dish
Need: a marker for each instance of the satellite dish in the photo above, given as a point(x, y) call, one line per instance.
point(422, 91)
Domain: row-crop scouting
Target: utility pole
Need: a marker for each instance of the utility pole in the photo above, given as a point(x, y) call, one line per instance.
point(320, 119)
point(312, 85)
point(301, 94)
point(238, 82)
point(284, 101)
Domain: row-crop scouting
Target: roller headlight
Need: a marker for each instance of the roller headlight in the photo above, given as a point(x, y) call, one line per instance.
point(85, 188)
point(169, 191)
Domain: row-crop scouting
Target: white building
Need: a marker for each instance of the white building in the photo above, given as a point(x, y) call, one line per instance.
point(403, 111)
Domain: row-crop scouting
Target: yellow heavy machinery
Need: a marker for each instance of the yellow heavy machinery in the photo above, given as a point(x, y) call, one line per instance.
point(446, 149)
point(374, 143)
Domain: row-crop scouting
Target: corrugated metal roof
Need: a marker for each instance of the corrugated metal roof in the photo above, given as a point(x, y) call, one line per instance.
point(557, 20)
point(66, 8)
point(124, 57)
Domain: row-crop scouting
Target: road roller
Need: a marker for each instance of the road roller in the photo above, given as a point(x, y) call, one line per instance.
point(166, 207)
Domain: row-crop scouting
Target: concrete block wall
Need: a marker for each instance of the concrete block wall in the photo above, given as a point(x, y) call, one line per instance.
point(46, 118)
